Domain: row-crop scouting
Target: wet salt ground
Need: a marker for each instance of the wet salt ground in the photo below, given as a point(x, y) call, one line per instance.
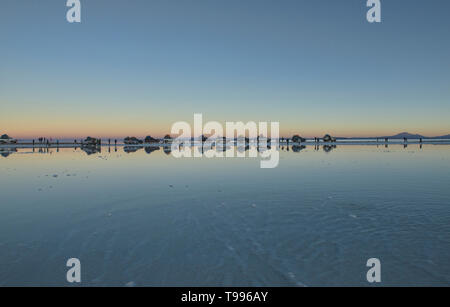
point(139, 219)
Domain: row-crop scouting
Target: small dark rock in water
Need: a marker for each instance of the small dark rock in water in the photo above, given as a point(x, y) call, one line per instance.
point(55, 176)
point(170, 185)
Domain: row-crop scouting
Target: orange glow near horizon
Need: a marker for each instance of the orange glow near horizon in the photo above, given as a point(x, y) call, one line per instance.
point(104, 128)
point(68, 123)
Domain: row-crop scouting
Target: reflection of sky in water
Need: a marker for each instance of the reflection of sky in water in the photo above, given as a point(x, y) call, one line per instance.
point(156, 220)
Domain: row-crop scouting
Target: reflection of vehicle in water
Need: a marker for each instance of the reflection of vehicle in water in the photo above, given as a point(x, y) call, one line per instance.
point(91, 145)
point(222, 147)
point(167, 150)
point(91, 149)
point(328, 148)
point(5, 139)
point(5, 152)
point(242, 149)
point(151, 149)
point(298, 148)
point(131, 149)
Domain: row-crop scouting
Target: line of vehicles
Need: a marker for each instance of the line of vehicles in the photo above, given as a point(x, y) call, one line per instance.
point(90, 141)
point(168, 139)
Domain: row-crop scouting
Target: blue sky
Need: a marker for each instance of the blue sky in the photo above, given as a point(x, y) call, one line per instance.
point(137, 66)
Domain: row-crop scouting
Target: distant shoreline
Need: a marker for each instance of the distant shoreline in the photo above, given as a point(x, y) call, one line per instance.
point(233, 143)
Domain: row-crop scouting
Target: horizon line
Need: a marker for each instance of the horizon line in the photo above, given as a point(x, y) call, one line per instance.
point(281, 136)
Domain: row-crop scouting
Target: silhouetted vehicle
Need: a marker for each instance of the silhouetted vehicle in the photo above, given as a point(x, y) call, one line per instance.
point(5, 139)
point(328, 138)
point(298, 139)
point(89, 141)
point(167, 139)
point(132, 141)
point(148, 139)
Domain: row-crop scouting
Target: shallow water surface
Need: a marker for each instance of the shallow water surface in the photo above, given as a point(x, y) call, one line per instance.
point(145, 218)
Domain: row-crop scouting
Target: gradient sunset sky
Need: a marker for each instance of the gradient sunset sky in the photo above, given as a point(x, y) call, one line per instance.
point(134, 67)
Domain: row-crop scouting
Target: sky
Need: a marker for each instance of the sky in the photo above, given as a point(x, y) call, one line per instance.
point(134, 67)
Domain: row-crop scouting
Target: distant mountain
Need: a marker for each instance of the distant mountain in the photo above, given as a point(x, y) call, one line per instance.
point(401, 136)
point(405, 135)
point(415, 136)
